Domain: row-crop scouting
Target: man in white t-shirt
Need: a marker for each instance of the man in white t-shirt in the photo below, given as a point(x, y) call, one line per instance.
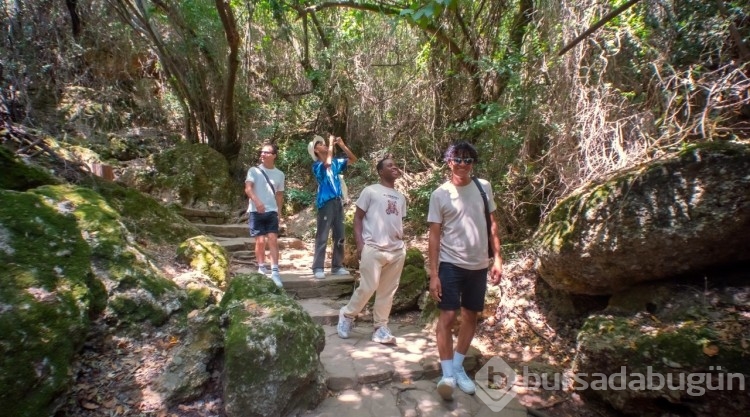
point(378, 231)
point(264, 186)
point(461, 232)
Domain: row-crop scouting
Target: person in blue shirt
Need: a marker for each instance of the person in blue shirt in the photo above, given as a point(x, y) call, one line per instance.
point(329, 201)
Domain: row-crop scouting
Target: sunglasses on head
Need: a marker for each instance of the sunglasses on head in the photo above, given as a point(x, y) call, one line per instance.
point(466, 161)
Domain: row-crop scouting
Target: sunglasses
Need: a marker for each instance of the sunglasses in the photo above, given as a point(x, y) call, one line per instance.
point(266, 152)
point(466, 161)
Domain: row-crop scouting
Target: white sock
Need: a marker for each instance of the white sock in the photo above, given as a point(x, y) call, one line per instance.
point(447, 366)
point(275, 268)
point(458, 361)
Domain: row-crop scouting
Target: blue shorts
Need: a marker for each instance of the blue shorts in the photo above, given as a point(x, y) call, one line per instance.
point(462, 287)
point(262, 224)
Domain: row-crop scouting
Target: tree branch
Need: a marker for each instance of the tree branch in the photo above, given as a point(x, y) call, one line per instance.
point(597, 25)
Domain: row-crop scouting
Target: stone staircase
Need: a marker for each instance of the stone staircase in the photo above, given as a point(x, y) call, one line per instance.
point(364, 378)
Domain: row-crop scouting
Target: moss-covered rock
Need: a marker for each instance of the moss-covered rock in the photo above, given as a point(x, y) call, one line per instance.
point(47, 294)
point(205, 255)
point(137, 289)
point(20, 176)
point(142, 215)
point(681, 214)
point(694, 339)
point(194, 175)
point(413, 282)
point(193, 361)
point(272, 351)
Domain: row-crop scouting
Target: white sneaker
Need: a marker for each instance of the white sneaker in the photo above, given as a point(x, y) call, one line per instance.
point(340, 271)
point(345, 325)
point(319, 274)
point(445, 388)
point(276, 278)
point(263, 270)
point(383, 335)
point(464, 382)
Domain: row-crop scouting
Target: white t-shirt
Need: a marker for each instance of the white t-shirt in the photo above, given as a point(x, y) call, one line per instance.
point(460, 211)
point(262, 189)
point(382, 226)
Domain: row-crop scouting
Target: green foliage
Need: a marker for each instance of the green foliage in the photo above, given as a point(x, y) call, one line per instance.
point(419, 203)
point(427, 14)
point(296, 199)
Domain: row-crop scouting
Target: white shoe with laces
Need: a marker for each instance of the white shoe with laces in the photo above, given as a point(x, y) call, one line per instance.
point(383, 335)
point(344, 326)
point(464, 382)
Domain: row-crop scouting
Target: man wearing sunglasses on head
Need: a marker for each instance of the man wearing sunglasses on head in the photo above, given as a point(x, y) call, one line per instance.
point(462, 232)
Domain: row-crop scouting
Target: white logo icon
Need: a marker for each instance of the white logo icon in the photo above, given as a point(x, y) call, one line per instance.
point(494, 383)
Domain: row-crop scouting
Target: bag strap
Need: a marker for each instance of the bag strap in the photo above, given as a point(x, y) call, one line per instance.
point(267, 180)
point(490, 252)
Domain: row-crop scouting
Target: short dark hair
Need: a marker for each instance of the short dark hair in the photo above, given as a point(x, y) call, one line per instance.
point(379, 166)
point(274, 147)
point(461, 148)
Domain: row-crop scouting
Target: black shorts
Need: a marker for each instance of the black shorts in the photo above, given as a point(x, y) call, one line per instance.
point(462, 287)
point(262, 224)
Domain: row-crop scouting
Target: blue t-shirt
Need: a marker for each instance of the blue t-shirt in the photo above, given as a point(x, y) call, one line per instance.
point(329, 184)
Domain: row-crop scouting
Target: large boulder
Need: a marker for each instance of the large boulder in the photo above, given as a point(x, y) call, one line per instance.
point(690, 354)
point(136, 289)
point(271, 351)
point(47, 296)
point(682, 214)
point(190, 368)
point(193, 175)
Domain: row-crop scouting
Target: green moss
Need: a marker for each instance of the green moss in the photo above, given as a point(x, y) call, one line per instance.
point(261, 321)
point(197, 298)
point(19, 176)
point(45, 301)
point(132, 310)
point(197, 173)
point(642, 342)
point(143, 216)
point(204, 254)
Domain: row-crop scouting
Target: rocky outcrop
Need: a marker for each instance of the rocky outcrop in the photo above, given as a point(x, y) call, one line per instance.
point(47, 294)
point(689, 355)
point(674, 216)
point(193, 175)
point(271, 353)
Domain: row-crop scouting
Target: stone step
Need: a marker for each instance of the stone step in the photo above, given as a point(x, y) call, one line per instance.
point(235, 244)
point(301, 284)
point(224, 230)
point(229, 229)
point(324, 311)
point(353, 362)
point(204, 216)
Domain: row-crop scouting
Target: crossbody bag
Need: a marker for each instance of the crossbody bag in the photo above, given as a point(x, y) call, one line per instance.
point(267, 180)
point(490, 252)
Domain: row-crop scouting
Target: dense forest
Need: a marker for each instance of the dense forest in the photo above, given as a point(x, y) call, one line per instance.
point(555, 94)
point(615, 135)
